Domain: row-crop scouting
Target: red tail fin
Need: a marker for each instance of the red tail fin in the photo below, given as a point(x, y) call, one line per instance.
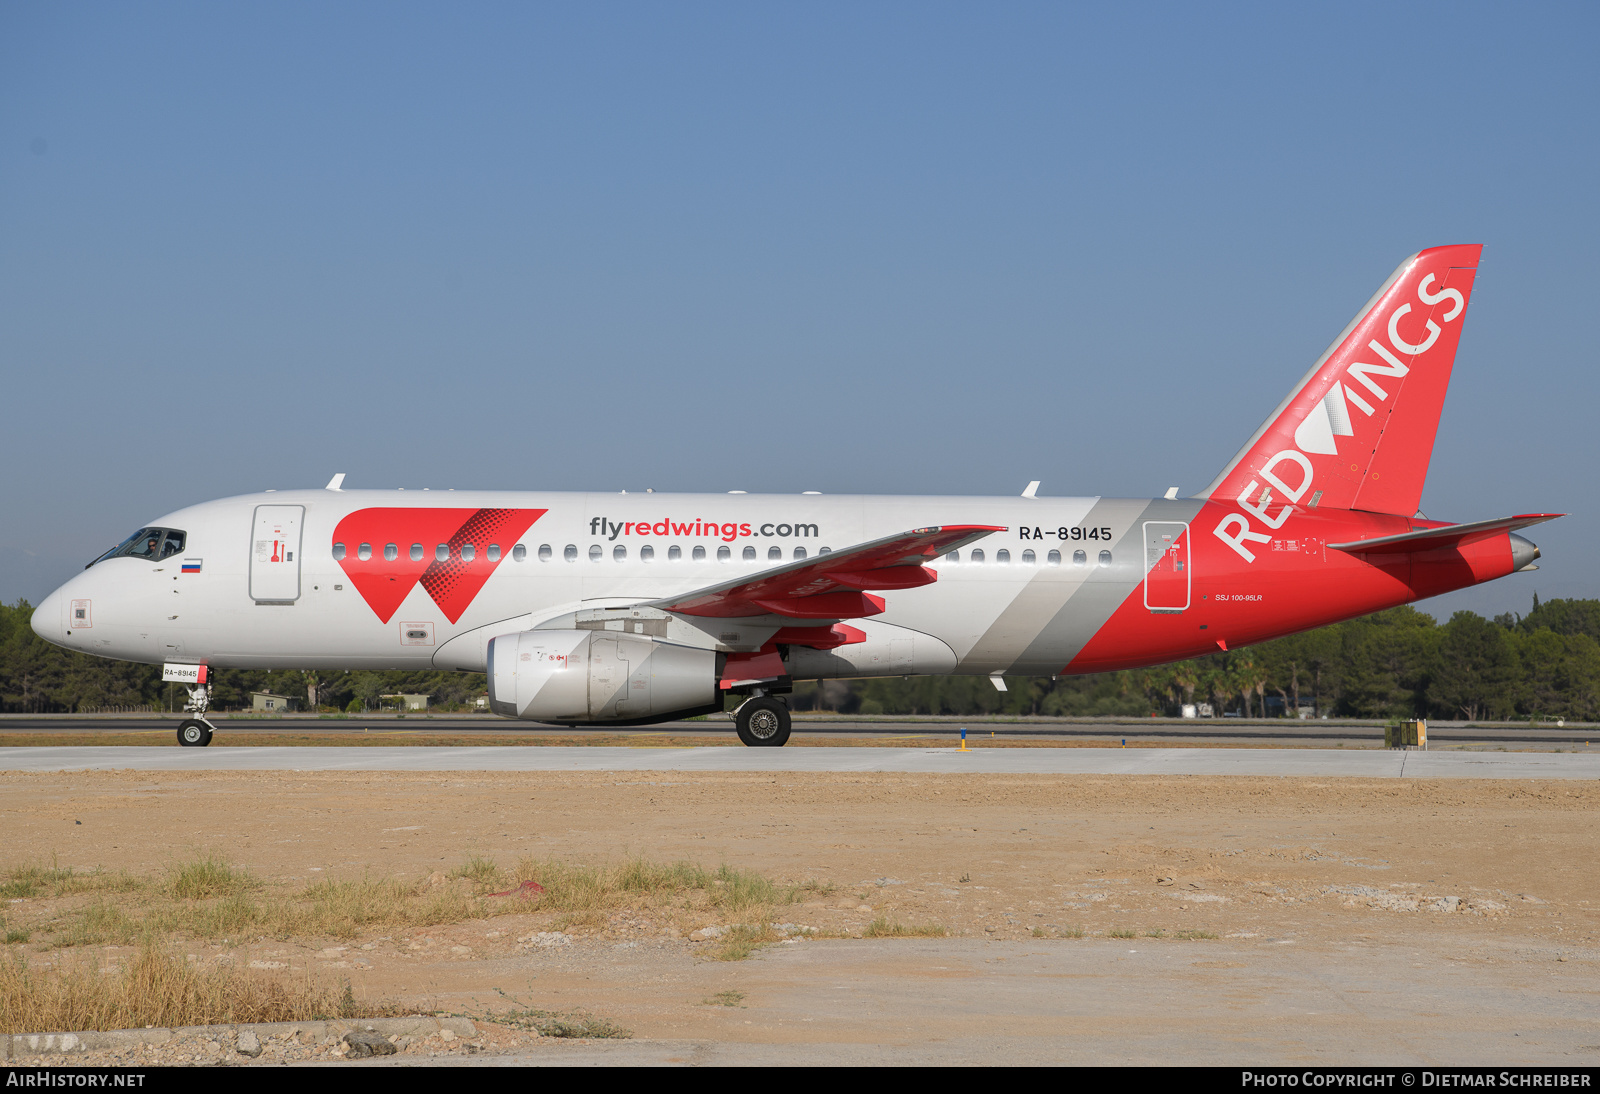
point(1357, 433)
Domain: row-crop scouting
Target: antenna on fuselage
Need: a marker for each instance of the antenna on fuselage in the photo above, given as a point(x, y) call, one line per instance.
point(1032, 490)
point(336, 483)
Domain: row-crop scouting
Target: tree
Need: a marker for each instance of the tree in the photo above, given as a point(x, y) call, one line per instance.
point(1563, 617)
point(1477, 669)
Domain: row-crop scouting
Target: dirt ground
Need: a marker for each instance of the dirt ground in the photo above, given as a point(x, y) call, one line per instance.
point(1484, 870)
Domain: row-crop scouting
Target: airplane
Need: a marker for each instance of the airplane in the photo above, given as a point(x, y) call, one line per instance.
point(597, 609)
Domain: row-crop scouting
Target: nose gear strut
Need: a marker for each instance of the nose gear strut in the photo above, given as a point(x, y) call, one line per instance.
point(196, 732)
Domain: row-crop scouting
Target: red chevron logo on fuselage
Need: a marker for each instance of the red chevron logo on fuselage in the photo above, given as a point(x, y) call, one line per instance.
point(450, 552)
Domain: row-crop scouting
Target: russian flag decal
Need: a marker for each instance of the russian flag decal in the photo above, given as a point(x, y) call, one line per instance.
point(191, 565)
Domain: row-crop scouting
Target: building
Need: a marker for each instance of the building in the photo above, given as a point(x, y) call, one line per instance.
point(265, 702)
point(407, 701)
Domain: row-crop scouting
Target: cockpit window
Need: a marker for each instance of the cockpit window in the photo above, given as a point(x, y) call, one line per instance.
point(150, 544)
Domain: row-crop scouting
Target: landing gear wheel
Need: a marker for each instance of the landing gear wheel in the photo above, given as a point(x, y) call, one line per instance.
point(763, 722)
point(193, 733)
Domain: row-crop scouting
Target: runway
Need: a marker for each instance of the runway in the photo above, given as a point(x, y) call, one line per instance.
point(1300, 762)
point(811, 728)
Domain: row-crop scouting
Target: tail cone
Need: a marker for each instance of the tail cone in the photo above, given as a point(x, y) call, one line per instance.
point(1522, 553)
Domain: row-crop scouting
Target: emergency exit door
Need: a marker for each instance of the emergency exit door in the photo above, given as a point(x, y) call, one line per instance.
point(275, 554)
point(1167, 572)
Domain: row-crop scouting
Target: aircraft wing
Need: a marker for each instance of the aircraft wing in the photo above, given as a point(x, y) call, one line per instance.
point(1451, 535)
point(834, 585)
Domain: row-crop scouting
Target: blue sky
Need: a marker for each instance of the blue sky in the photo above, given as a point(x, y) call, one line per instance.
point(908, 248)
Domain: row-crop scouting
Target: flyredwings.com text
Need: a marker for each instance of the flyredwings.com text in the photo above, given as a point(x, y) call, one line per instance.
point(1349, 395)
point(708, 529)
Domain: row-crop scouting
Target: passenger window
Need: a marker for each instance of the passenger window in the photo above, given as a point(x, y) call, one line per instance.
point(1105, 558)
point(441, 553)
point(954, 557)
point(699, 554)
point(1080, 559)
point(774, 553)
point(826, 551)
point(976, 556)
point(468, 552)
point(1053, 558)
point(338, 552)
point(799, 552)
point(749, 554)
point(1028, 558)
point(647, 553)
point(545, 552)
point(674, 553)
point(519, 552)
point(390, 552)
point(1002, 557)
point(723, 554)
point(619, 553)
point(364, 552)
point(494, 552)
point(595, 551)
point(570, 552)
point(416, 552)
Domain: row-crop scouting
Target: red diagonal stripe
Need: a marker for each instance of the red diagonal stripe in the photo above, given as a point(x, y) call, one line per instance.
point(454, 582)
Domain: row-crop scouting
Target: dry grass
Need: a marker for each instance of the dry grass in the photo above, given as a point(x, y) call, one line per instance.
point(579, 889)
point(479, 870)
point(208, 875)
point(156, 989)
point(884, 927)
point(205, 897)
point(33, 881)
point(332, 909)
point(743, 939)
point(551, 1023)
point(586, 896)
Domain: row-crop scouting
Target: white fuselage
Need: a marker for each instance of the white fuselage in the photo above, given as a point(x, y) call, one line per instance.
point(587, 551)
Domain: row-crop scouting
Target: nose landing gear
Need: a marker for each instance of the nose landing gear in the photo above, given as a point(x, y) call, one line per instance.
point(196, 732)
point(763, 722)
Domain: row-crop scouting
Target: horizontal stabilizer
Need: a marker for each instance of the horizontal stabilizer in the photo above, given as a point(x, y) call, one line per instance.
point(1451, 535)
point(831, 586)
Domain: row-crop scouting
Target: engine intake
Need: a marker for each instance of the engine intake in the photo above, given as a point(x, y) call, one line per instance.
point(586, 676)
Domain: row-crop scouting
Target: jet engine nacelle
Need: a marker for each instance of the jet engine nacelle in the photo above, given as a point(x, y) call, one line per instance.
point(598, 676)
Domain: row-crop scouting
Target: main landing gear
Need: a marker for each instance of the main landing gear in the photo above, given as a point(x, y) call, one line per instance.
point(196, 732)
point(763, 722)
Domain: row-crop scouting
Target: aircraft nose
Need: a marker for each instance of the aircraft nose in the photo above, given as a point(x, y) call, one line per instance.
point(46, 619)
